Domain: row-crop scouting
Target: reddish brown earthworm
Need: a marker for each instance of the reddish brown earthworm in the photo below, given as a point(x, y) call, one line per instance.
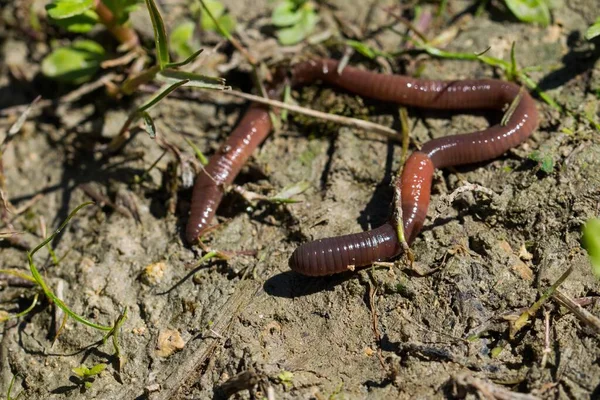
point(332, 255)
point(337, 254)
point(223, 167)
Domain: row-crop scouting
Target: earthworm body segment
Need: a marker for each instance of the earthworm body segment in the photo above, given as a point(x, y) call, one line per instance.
point(337, 254)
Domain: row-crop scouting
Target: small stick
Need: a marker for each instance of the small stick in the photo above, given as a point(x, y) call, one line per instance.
point(547, 349)
point(357, 123)
point(489, 390)
point(446, 200)
point(590, 319)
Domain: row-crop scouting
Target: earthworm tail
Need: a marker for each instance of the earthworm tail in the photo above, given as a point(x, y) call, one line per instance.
point(223, 167)
point(333, 255)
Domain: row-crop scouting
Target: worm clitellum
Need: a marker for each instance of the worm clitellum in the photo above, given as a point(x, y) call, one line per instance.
point(337, 254)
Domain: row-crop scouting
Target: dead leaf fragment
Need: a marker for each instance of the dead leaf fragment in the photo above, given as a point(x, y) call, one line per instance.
point(169, 341)
point(522, 269)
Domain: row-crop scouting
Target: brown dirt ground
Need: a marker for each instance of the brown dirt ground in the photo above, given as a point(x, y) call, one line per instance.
point(251, 312)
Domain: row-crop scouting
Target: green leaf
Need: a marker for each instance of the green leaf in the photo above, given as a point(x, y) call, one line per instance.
point(216, 9)
point(593, 30)
point(303, 28)
point(121, 8)
point(160, 34)
point(60, 9)
point(76, 63)
point(591, 242)
point(96, 369)
point(195, 80)
point(81, 23)
point(530, 10)
point(80, 371)
point(185, 62)
point(285, 14)
point(199, 155)
point(545, 161)
point(181, 38)
point(149, 126)
point(42, 284)
point(227, 23)
point(362, 48)
point(163, 92)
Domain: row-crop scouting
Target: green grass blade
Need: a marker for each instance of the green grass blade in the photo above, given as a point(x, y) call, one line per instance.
point(199, 155)
point(40, 281)
point(163, 92)
point(195, 80)
point(24, 312)
point(186, 61)
point(160, 34)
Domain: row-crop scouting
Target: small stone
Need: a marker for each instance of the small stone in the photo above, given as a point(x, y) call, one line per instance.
point(154, 273)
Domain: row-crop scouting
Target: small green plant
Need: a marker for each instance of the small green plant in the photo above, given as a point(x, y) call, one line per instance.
point(214, 17)
point(76, 63)
point(10, 387)
point(594, 30)
point(166, 72)
point(36, 277)
point(533, 11)
point(544, 160)
point(181, 40)
point(86, 376)
point(79, 61)
point(296, 19)
point(591, 242)
point(81, 16)
point(286, 378)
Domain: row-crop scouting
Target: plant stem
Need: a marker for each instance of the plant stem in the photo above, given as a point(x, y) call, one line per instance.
point(124, 34)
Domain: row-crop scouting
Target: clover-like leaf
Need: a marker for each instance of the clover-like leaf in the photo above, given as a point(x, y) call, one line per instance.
point(76, 63)
point(122, 8)
point(285, 14)
point(530, 10)
point(306, 23)
point(81, 23)
point(181, 40)
point(60, 9)
point(593, 30)
point(544, 160)
point(96, 369)
point(217, 10)
point(591, 242)
point(81, 371)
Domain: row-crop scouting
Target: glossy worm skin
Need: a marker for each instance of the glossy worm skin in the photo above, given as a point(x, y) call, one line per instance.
point(337, 254)
point(333, 255)
point(222, 169)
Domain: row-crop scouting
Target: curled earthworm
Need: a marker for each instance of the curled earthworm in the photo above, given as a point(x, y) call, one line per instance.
point(338, 254)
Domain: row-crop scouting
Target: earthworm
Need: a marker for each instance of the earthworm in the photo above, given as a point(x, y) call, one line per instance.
point(337, 254)
point(223, 167)
point(332, 255)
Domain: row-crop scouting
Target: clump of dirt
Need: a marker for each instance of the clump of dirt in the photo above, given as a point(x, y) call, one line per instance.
point(437, 328)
